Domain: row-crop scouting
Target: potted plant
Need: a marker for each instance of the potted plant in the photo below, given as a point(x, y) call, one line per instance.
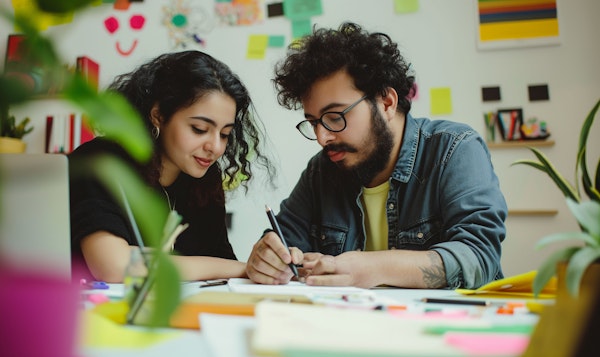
point(586, 248)
point(11, 133)
point(117, 120)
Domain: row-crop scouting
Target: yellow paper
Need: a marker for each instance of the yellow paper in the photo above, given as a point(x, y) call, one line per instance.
point(441, 101)
point(517, 286)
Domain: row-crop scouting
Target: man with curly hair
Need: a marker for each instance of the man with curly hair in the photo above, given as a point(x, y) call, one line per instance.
point(391, 199)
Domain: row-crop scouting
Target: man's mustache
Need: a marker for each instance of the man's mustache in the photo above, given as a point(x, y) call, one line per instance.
point(339, 147)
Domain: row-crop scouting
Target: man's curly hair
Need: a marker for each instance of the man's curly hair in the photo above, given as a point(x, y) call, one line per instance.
point(371, 59)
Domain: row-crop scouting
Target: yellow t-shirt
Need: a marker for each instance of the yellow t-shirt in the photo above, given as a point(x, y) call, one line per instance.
point(376, 225)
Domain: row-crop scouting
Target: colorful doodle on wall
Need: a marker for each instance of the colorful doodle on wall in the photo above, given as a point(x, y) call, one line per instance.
point(187, 24)
point(239, 12)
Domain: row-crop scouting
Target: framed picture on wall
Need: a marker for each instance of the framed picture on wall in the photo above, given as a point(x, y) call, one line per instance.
point(508, 23)
point(509, 123)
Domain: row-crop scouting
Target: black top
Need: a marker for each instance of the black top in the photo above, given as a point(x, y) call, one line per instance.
point(93, 208)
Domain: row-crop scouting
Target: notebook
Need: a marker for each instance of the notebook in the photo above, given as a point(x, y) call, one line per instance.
point(34, 212)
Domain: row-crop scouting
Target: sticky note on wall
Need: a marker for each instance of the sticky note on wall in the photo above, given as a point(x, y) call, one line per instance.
point(406, 6)
point(257, 46)
point(441, 100)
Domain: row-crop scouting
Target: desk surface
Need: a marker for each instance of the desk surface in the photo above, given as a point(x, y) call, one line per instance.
point(230, 339)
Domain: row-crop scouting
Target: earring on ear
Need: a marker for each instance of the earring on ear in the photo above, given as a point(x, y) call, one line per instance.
point(155, 132)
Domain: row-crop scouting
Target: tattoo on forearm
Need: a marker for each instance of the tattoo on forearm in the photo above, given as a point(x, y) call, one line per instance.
point(434, 275)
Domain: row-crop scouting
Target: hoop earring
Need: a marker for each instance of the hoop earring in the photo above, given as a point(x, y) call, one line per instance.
point(155, 132)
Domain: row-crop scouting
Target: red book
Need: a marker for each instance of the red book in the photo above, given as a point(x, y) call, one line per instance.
point(87, 133)
point(89, 69)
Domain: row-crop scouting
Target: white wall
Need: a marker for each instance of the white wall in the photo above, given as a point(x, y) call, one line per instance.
point(440, 41)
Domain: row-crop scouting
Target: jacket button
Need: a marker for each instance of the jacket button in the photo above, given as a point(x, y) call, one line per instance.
point(322, 236)
point(391, 206)
point(420, 235)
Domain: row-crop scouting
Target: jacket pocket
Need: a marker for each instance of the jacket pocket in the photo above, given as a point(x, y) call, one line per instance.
point(420, 236)
point(328, 240)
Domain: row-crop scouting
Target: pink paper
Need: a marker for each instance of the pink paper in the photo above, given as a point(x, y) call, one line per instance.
point(488, 344)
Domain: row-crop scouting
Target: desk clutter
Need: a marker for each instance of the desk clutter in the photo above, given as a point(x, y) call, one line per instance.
point(300, 320)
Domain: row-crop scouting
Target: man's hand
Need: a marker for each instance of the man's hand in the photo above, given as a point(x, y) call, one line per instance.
point(346, 269)
point(269, 259)
point(402, 268)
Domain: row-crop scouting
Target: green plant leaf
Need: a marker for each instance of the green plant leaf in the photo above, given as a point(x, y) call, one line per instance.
point(166, 290)
point(587, 214)
point(546, 166)
point(548, 268)
point(113, 116)
point(560, 181)
point(577, 266)
point(596, 189)
point(534, 164)
point(149, 210)
point(581, 155)
point(566, 236)
point(62, 6)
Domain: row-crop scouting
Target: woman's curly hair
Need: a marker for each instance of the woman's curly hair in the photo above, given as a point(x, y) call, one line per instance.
point(371, 59)
point(175, 81)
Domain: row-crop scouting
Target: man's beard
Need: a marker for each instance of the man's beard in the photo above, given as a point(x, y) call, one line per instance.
point(383, 140)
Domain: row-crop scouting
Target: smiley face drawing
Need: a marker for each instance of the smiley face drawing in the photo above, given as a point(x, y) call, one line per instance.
point(136, 23)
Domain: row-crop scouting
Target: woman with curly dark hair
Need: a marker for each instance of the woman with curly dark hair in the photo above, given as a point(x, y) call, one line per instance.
point(201, 118)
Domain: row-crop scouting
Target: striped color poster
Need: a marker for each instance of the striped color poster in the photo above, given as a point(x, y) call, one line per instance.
point(516, 22)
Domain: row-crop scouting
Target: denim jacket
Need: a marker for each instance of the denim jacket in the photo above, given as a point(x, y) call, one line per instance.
point(444, 196)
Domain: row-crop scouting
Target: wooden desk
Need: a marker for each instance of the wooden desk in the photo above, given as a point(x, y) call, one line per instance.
point(233, 343)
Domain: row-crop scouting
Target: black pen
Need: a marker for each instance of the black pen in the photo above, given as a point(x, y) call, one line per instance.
point(456, 301)
point(206, 284)
point(277, 230)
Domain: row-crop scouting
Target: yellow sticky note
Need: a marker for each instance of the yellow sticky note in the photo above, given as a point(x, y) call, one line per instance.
point(406, 6)
point(441, 100)
point(99, 331)
point(257, 46)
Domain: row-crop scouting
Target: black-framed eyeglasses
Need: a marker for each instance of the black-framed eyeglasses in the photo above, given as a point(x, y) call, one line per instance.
point(332, 121)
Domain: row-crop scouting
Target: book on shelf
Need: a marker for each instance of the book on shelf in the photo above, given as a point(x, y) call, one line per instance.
point(65, 132)
point(89, 69)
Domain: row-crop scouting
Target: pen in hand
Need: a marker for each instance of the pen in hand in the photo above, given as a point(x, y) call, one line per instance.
point(277, 230)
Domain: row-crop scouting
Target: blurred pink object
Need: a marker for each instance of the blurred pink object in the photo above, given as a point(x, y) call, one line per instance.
point(38, 314)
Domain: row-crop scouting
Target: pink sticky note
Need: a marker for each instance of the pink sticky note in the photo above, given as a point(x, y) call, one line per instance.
point(488, 344)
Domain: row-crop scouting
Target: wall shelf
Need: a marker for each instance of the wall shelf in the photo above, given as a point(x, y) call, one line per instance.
point(519, 143)
point(532, 212)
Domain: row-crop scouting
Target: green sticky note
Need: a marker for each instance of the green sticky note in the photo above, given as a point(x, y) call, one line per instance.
point(301, 28)
point(301, 9)
point(276, 41)
point(257, 46)
point(406, 6)
point(441, 100)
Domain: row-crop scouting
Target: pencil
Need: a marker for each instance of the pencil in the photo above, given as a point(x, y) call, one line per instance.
point(277, 230)
point(456, 301)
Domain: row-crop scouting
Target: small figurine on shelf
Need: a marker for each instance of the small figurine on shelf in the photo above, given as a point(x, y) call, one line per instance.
point(535, 130)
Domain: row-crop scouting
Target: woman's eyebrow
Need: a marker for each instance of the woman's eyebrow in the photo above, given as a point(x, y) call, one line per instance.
point(210, 121)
